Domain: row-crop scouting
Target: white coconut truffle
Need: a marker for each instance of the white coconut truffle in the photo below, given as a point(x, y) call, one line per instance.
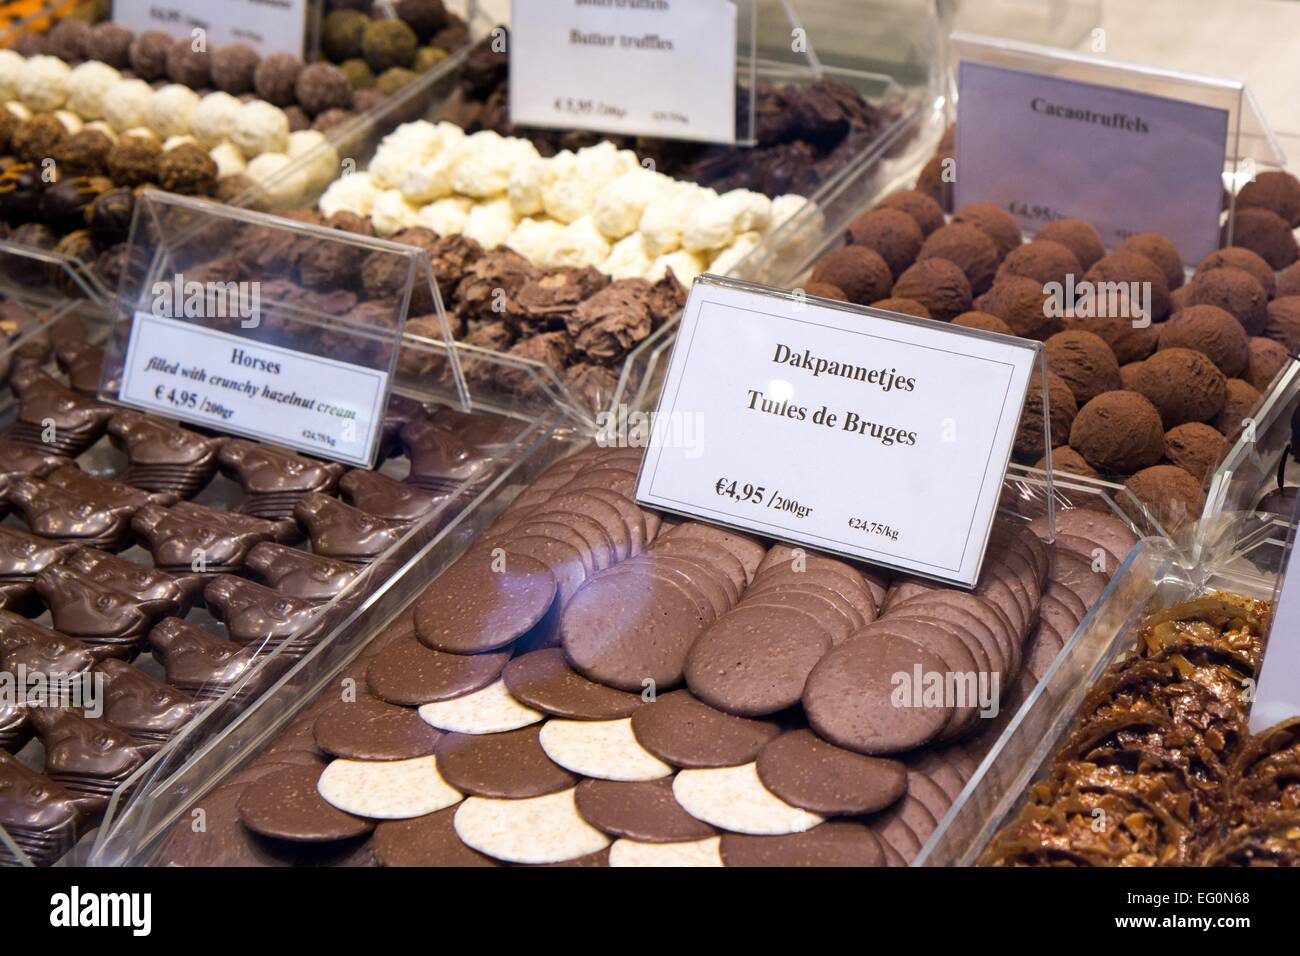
point(446, 217)
point(684, 265)
point(604, 162)
point(394, 158)
point(579, 244)
point(355, 193)
point(213, 120)
point(484, 168)
point(620, 205)
point(271, 171)
point(170, 110)
point(752, 211)
point(527, 182)
point(423, 180)
point(570, 195)
point(713, 225)
point(11, 67)
point(43, 84)
point(18, 110)
point(391, 213)
point(628, 259)
point(88, 84)
point(666, 215)
point(260, 128)
point(491, 223)
point(70, 120)
point(229, 159)
point(126, 104)
point(533, 238)
point(319, 158)
point(725, 262)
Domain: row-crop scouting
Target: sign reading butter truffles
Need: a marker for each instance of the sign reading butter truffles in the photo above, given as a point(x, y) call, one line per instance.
point(1046, 148)
point(321, 406)
point(637, 67)
point(268, 26)
point(842, 431)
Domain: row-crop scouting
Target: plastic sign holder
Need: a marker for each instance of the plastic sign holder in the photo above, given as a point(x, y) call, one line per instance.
point(873, 435)
point(271, 328)
point(286, 26)
point(1277, 692)
point(1049, 133)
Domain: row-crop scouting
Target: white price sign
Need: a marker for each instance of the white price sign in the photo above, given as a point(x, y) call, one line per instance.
point(269, 26)
point(318, 405)
point(635, 67)
point(866, 435)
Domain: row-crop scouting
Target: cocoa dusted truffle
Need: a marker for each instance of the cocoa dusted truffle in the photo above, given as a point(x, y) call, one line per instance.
point(425, 17)
point(341, 33)
point(968, 248)
point(1160, 251)
point(149, 55)
point(1077, 235)
point(111, 44)
point(1062, 409)
point(38, 138)
point(861, 273)
point(188, 66)
point(84, 153)
point(893, 234)
point(298, 118)
point(1084, 362)
point(1169, 494)
point(903, 307)
point(189, 170)
point(1267, 358)
point(995, 222)
point(1240, 258)
point(389, 43)
point(1235, 291)
point(1288, 281)
point(1184, 385)
point(1241, 404)
point(133, 161)
point(1128, 374)
point(985, 321)
point(1118, 433)
point(1196, 448)
point(69, 40)
point(1020, 302)
point(826, 291)
point(927, 213)
point(276, 78)
point(234, 67)
point(1066, 459)
point(330, 119)
point(1042, 260)
point(938, 285)
point(1130, 269)
point(1275, 190)
point(321, 87)
point(935, 179)
point(1266, 233)
point(1129, 342)
point(1208, 329)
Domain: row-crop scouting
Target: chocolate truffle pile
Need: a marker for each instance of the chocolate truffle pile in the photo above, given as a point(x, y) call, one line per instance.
point(1157, 762)
point(595, 684)
point(175, 601)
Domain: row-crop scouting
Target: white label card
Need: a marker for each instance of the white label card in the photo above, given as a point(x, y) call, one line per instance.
point(636, 67)
point(854, 433)
point(269, 26)
point(1046, 148)
point(321, 406)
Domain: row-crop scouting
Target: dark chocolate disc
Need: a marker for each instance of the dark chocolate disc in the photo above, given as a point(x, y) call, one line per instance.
point(544, 681)
point(643, 810)
point(471, 608)
point(837, 843)
point(425, 841)
point(286, 806)
point(370, 729)
point(510, 765)
point(686, 732)
point(806, 771)
point(407, 672)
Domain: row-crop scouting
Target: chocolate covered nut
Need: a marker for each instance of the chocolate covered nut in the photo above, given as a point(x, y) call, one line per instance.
point(806, 771)
point(509, 765)
point(286, 806)
point(686, 732)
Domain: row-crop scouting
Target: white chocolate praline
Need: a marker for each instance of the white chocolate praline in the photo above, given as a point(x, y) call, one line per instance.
point(684, 265)
point(392, 160)
point(663, 219)
point(533, 238)
point(354, 193)
point(484, 168)
point(229, 159)
point(126, 104)
point(621, 204)
point(319, 157)
point(88, 83)
point(70, 120)
point(213, 120)
point(261, 128)
point(579, 244)
point(11, 67)
point(604, 161)
point(491, 223)
point(446, 217)
point(272, 171)
point(729, 258)
point(423, 180)
point(751, 211)
point(709, 227)
point(786, 207)
point(170, 110)
point(628, 259)
point(527, 182)
point(391, 213)
point(43, 84)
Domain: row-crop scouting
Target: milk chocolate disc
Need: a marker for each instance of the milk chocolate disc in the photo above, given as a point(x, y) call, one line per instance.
point(713, 555)
point(645, 811)
point(837, 843)
point(928, 793)
point(425, 841)
point(1077, 575)
point(806, 771)
point(545, 681)
point(564, 560)
point(849, 694)
point(510, 765)
point(407, 672)
point(681, 730)
point(744, 548)
point(369, 729)
point(471, 608)
point(223, 840)
point(286, 806)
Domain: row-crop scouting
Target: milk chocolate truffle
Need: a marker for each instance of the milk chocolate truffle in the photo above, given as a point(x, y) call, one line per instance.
point(1132, 270)
point(321, 87)
point(927, 213)
point(1240, 405)
point(111, 43)
point(38, 138)
point(1062, 409)
point(276, 78)
point(1171, 495)
point(1266, 359)
point(69, 40)
point(1278, 191)
point(341, 33)
point(1084, 362)
point(1018, 301)
point(995, 222)
point(1160, 251)
point(1241, 258)
point(149, 55)
point(891, 233)
point(1209, 329)
point(133, 161)
point(967, 247)
point(389, 43)
point(1119, 433)
point(84, 153)
point(1042, 260)
point(1184, 385)
point(390, 81)
point(1077, 235)
point(188, 169)
point(358, 73)
point(861, 273)
point(904, 307)
point(1066, 459)
point(234, 67)
point(1267, 234)
point(188, 66)
point(1196, 448)
point(985, 321)
point(826, 291)
point(425, 17)
point(938, 285)
point(1236, 291)
point(1130, 343)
